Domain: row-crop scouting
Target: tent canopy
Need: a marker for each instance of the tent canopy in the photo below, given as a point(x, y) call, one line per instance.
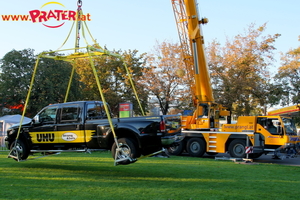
point(9, 120)
point(6, 122)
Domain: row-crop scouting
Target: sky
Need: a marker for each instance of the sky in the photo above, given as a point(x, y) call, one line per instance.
point(138, 24)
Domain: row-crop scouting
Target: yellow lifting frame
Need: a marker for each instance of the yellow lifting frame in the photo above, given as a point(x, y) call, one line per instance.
point(91, 52)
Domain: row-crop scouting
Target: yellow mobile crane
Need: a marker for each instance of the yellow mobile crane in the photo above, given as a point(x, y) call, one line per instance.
point(255, 135)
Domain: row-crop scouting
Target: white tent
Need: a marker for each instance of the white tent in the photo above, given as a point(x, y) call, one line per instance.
point(6, 122)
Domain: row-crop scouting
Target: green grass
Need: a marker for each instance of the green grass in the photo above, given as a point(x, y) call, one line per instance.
point(94, 176)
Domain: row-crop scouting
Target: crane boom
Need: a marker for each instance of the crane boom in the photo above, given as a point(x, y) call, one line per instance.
point(207, 112)
point(192, 42)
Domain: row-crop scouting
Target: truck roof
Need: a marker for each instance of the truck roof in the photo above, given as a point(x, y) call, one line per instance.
point(71, 102)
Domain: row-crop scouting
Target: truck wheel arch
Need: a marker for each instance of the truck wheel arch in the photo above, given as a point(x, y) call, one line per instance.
point(123, 133)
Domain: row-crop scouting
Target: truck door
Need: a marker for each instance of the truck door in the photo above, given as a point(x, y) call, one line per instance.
point(94, 117)
point(44, 126)
point(70, 127)
point(270, 127)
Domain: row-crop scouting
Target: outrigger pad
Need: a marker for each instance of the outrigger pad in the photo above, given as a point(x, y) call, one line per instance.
point(14, 153)
point(125, 161)
point(14, 157)
point(123, 158)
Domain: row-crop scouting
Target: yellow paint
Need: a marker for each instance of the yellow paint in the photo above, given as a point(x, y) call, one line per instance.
point(52, 2)
point(75, 136)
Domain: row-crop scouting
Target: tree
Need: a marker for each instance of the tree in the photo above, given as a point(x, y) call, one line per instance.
point(16, 71)
point(288, 77)
point(114, 80)
point(50, 83)
point(165, 75)
point(136, 66)
point(239, 69)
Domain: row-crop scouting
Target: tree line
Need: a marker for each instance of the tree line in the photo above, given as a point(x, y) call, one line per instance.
point(52, 78)
point(240, 75)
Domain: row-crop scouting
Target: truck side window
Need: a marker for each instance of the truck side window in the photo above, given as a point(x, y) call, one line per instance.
point(95, 111)
point(70, 113)
point(48, 116)
point(262, 121)
point(269, 124)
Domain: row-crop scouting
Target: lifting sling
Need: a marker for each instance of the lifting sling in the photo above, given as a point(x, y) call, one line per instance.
point(92, 51)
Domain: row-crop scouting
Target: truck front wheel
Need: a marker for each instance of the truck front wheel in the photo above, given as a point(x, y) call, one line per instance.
point(195, 147)
point(19, 150)
point(127, 149)
point(237, 148)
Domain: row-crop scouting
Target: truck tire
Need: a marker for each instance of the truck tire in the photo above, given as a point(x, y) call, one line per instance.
point(19, 148)
point(128, 149)
point(237, 148)
point(195, 147)
point(176, 150)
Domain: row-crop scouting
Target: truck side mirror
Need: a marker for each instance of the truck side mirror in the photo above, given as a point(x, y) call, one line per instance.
point(36, 119)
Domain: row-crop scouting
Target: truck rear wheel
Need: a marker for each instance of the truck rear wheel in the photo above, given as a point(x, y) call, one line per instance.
point(176, 150)
point(195, 147)
point(19, 149)
point(128, 148)
point(237, 148)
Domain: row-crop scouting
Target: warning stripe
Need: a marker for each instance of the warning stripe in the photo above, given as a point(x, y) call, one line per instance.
point(249, 149)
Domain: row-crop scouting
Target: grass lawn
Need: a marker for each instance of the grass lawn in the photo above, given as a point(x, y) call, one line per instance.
point(94, 176)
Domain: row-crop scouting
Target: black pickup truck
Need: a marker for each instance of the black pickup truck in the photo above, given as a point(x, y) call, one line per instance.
point(84, 125)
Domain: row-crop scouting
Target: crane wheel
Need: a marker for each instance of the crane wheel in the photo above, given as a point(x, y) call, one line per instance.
point(196, 147)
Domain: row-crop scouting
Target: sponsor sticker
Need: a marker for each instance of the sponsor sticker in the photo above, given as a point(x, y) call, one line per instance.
point(69, 137)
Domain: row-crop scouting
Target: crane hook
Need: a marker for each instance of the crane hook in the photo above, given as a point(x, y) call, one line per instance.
point(79, 3)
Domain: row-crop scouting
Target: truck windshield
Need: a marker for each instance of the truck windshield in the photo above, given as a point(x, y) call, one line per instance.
point(289, 126)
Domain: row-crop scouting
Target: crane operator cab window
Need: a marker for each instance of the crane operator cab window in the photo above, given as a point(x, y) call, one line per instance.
point(204, 109)
point(271, 127)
